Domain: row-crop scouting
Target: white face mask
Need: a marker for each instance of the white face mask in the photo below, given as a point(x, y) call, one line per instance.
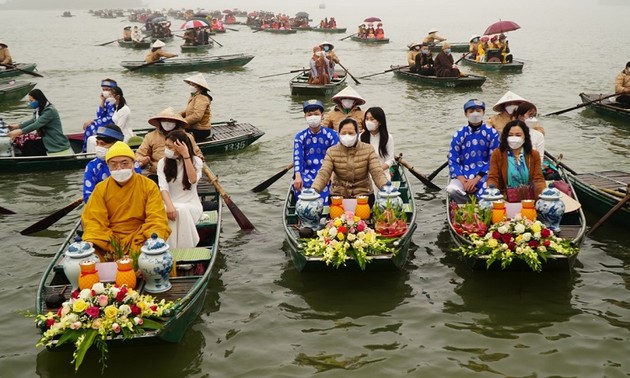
point(371, 125)
point(122, 175)
point(100, 152)
point(348, 140)
point(106, 94)
point(168, 125)
point(347, 103)
point(313, 121)
point(169, 154)
point(475, 118)
point(515, 142)
point(531, 121)
point(193, 89)
point(510, 109)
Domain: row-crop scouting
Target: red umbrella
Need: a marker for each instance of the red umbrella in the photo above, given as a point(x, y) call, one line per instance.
point(502, 27)
point(372, 19)
point(194, 24)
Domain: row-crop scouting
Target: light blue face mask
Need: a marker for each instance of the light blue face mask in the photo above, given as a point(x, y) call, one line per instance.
point(33, 104)
point(447, 51)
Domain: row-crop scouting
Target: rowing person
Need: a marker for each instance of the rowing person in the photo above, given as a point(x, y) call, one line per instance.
point(157, 53)
point(432, 38)
point(5, 55)
point(622, 87)
point(319, 67)
point(331, 56)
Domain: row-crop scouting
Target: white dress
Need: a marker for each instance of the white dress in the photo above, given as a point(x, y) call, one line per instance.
point(387, 159)
point(186, 202)
point(121, 119)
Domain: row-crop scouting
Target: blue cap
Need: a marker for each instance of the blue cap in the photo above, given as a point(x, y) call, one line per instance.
point(110, 133)
point(474, 103)
point(311, 105)
point(108, 83)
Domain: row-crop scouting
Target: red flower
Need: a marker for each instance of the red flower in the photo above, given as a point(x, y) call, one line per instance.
point(75, 294)
point(545, 233)
point(342, 229)
point(59, 311)
point(135, 310)
point(50, 322)
point(533, 243)
point(506, 237)
point(496, 235)
point(512, 246)
point(546, 243)
point(121, 294)
point(92, 312)
point(153, 308)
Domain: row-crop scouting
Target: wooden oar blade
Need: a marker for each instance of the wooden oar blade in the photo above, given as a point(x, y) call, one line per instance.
point(614, 209)
point(438, 170)
point(6, 211)
point(238, 215)
point(424, 180)
point(265, 184)
point(580, 105)
point(52, 218)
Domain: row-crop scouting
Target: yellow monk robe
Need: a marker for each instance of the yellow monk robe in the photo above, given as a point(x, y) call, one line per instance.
point(131, 213)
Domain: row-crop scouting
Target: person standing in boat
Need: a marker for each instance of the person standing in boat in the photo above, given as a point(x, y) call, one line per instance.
point(347, 105)
point(104, 114)
point(622, 87)
point(126, 206)
point(178, 174)
point(197, 113)
point(157, 53)
point(432, 38)
point(47, 123)
point(469, 154)
point(473, 47)
point(122, 114)
point(445, 64)
point(505, 108)
point(330, 56)
point(319, 72)
point(309, 148)
point(424, 64)
point(378, 137)
point(5, 55)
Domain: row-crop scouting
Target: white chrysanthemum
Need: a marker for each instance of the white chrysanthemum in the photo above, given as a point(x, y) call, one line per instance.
point(85, 294)
point(519, 228)
point(503, 229)
point(98, 288)
point(527, 236)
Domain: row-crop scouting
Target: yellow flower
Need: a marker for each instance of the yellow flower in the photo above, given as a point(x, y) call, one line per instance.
point(356, 218)
point(80, 305)
point(492, 243)
point(536, 227)
point(340, 236)
point(111, 312)
point(518, 239)
point(337, 222)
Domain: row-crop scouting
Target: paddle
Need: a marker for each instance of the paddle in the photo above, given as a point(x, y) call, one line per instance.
point(215, 41)
point(618, 206)
point(284, 73)
point(438, 170)
point(581, 105)
point(265, 184)
point(238, 215)
point(348, 36)
point(558, 162)
point(463, 56)
point(232, 29)
point(386, 71)
point(12, 66)
point(107, 43)
point(4, 210)
point(161, 60)
point(418, 175)
point(52, 218)
point(348, 72)
point(257, 30)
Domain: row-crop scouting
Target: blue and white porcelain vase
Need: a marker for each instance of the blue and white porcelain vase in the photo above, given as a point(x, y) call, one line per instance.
point(155, 263)
point(6, 146)
point(550, 208)
point(389, 196)
point(309, 208)
point(490, 194)
point(77, 252)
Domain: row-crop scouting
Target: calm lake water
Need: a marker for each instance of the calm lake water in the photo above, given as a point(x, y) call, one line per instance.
point(262, 317)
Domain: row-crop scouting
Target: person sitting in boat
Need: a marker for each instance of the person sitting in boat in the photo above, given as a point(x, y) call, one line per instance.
point(127, 33)
point(190, 37)
point(197, 113)
point(5, 55)
point(126, 206)
point(136, 35)
point(376, 135)
point(157, 53)
point(46, 123)
point(444, 63)
point(309, 148)
point(504, 49)
point(362, 32)
point(323, 24)
point(332, 24)
point(424, 64)
point(152, 148)
point(330, 56)
point(96, 169)
point(353, 164)
point(319, 65)
point(527, 112)
point(515, 163)
point(379, 33)
point(493, 53)
point(473, 47)
point(178, 174)
point(370, 33)
point(104, 114)
point(122, 114)
point(347, 104)
point(469, 154)
point(432, 38)
point(622, 87)
point(482, 47)
point(505, 108)
point(414, 50)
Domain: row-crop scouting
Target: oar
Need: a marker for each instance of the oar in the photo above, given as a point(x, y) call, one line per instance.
point(52, 218)
point(107, 43)
point(232, 29)
point(618, 206)
point(348, 36)
point(4, 210)
point(284, 73)
point(418, 175)
point(12, 66)
point(265, 184)
point(463, 56)
point(386, 71)
point(559, 163)
point(215, 41)
point(238, 215)
point(348, 72)
point(438, 170)
point(581, 105)
point(257, 30)
point(149, 64)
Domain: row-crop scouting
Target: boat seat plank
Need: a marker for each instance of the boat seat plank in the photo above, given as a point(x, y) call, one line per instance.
point(191, 254)
point(569, 231)
point(180, 286)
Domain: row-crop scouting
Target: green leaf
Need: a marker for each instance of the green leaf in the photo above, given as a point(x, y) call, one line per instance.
point(149, 324)
point(90, 336)
point(69, 335)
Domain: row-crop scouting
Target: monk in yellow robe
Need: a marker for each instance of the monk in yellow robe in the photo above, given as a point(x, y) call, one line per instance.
point(126, 206)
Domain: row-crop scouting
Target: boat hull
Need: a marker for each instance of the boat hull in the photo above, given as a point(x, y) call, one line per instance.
point(300, 87)
point(196, 48)
point(515, 66)
point(188, 64)
point(456, 47)
point(605, 107)
point(469, 81)
point(134, 44)
point(589, 188)
point(330, 31)
point(30, 67)
point(11, 90)
point(370, 41)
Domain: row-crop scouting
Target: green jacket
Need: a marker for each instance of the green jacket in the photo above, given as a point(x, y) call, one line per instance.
point(49, 125)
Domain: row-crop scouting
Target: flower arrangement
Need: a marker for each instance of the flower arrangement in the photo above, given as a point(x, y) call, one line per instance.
point(93, 315)
point(470, 218)
point(518, 238)
point(343, 237)
point(390, 221)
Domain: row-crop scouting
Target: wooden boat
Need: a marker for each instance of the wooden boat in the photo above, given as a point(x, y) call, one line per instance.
point(12, 90)
point(300, 86)
point(456, 47)
point(606, 107)
point(329, 30)
point(573, 227)
point(163, 39)
point(144, 44)
point(196, 48)
point(515, 66)
point(378, 262)
point(8, 72)
point(280, 31)
point(369, 40)
point(188, 64)
point(194, 270)
point(448, 82)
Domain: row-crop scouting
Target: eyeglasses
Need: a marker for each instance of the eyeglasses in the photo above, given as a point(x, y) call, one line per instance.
point(116, 165)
